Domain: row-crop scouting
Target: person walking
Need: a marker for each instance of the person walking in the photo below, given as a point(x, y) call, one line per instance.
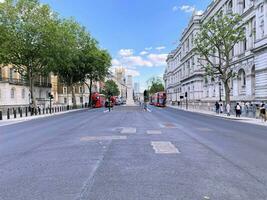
point(221, 108)
point(228, 109)
point(263, 112)
point(217, 107)
point(238, 110)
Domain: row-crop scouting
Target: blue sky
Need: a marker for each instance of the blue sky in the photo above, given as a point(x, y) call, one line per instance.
point(137, 33)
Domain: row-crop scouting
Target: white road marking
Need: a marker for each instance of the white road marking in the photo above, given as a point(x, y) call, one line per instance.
point(149, 110)
point(204, 129)
point(105, 111)
point(163, 147)
point(128, 130)
point(99, 138)
point(153, 132)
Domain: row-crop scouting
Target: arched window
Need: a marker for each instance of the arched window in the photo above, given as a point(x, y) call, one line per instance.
point(12, 93)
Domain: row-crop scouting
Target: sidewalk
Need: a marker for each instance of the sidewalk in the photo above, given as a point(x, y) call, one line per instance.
point(232, 117)
point(6, 122)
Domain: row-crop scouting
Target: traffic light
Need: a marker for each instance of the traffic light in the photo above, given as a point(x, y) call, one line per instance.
point(146, 96)
point(50, 95)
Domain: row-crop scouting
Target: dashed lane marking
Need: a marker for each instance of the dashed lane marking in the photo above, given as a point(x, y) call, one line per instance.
point(105, 111)
point(153, 132)
point(128, 130)
point(204, 129)
point(163, 147)
point(99, 138)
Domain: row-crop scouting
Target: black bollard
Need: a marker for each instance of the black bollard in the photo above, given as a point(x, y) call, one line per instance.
point(15, 113)
point(20, 112)
point(26, 112)
point(39, 110)
point(35, 111)
point(43, 111)
point(1, 115)
point(8, 113)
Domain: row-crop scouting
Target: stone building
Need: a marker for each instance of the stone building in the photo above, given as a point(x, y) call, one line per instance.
point(249, 58)
point(14, 90)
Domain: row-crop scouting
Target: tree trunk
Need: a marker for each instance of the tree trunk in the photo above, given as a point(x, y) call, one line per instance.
point(31, 88)
point(74, 103)
point(90, 92)
point(227, 92)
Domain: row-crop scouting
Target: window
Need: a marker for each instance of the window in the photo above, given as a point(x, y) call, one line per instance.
point(81, 89)
point(261, 8)
point(65, 100)
point(64, 90)
point(245, 41)
point(23, 93)
point(262, 28)
point(11, 73)
point(244, 5)
point(12, 93)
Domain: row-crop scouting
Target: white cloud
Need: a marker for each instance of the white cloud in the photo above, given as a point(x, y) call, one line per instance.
point(115, 62)
point(148, 48)
point(160, 48)
point(190, 9)
point(136, 61)
point(143, 53)
point(126, 52)
point(187, 8)
point(175, 8)
point(157, 59)
point(2, 1)
point(132, 72)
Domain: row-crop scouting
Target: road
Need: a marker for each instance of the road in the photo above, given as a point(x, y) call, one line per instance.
point(129, 154)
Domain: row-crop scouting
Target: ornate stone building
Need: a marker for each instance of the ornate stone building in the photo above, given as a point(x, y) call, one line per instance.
point(249, 58)
point(14, 90)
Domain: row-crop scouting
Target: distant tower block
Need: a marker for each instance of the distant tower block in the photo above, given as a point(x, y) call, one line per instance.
point(120, 74)
point(130, 101)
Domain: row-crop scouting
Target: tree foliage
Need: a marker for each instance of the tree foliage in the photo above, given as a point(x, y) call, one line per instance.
point(215, 42)
point(111, 88)
point(35, 41)
point(155, 85)
point(29, 27)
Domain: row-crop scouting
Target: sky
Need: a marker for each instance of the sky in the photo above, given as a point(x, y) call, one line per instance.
point(138, 34)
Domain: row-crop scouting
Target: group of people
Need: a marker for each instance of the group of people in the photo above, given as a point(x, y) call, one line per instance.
point(238, 110)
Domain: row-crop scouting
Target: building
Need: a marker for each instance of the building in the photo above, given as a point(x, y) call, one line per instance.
point(63, 94)
point(249, 60)
point(14, 89)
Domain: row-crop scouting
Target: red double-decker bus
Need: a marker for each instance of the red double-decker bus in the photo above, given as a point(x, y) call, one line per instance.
point(98, 100)
point(159, 99)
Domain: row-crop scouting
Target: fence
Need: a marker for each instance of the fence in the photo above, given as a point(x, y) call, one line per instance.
point(19, 112)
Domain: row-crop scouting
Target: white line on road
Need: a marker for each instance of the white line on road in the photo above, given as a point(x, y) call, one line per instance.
point(105, 111)
point(149, 110)
point(163, 147)
point(128, 130)
point(153, 132)
point(97, 138)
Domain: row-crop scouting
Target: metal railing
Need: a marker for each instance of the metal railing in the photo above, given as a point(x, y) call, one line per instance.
point(16, 81)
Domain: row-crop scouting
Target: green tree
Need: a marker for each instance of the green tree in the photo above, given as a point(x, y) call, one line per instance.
point(29, 27)
point(68, 48)
point(155, 85)
point(215, 42)
point(96, 65)
point(111, 88)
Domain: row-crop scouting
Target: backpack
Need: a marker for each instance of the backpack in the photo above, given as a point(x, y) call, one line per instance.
point(238, 107)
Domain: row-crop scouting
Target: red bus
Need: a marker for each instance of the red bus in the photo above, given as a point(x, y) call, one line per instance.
point(159, 99)
point(98, 100)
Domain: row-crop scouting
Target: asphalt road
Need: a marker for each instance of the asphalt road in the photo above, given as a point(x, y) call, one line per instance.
point(129, 154)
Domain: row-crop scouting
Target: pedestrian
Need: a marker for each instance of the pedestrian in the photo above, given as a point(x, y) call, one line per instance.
point(263, 112)
point(228, 109)
point(217, 107)
point(238, 110)
point(221, 108)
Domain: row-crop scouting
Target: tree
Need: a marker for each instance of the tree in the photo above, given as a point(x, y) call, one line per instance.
point(111, 88)
point(68, 48)
point(215, 42)
point(96, 65)
point(155, 85)
point(29, 27)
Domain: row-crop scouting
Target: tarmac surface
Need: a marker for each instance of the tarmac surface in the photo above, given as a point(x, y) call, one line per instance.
point(129, 154)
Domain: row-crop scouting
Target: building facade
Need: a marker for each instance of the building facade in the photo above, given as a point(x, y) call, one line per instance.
point(249, 58)
point(14, 90)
